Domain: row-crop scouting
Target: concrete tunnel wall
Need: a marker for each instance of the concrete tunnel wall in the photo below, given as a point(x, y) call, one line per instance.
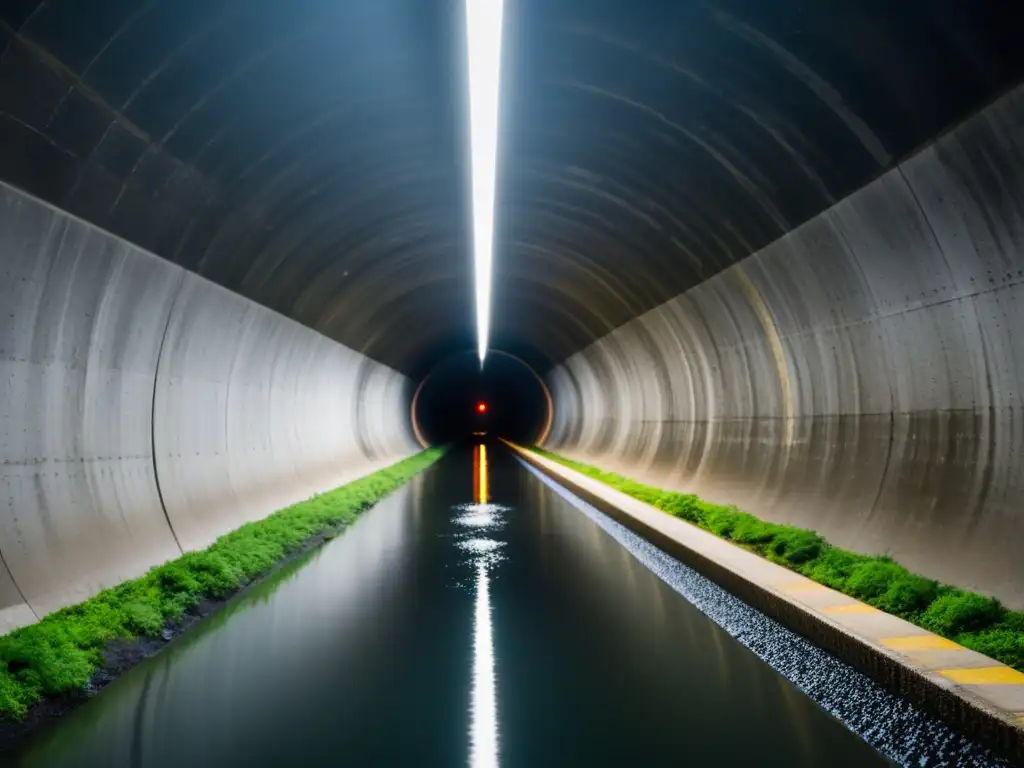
point(861, 376)
point(145, 411)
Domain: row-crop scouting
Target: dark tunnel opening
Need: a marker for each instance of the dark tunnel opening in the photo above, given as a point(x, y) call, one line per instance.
point(459, 400)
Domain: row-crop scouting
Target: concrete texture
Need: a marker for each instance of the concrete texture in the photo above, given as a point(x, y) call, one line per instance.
point(253, 411)
point(107, 352)
point(861, 376)
point(972, 693)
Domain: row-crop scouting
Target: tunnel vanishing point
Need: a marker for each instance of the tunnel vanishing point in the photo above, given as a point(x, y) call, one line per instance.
point(771, 253)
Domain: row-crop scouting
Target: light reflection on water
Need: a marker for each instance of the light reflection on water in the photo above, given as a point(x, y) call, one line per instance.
point(482, 516)
point(480, 546)
point(483, 737)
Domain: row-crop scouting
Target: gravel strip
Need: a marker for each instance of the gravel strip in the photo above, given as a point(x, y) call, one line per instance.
point(898, 730)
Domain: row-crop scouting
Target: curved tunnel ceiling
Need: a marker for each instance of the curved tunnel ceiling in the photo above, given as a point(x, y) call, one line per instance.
point(310, 154)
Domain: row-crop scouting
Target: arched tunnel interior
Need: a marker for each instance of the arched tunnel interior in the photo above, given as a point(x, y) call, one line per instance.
point(764, 251)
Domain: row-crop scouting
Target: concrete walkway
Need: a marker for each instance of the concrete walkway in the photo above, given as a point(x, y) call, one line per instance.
point(972, 692)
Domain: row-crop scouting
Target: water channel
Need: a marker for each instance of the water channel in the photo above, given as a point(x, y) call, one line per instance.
point(475, 617)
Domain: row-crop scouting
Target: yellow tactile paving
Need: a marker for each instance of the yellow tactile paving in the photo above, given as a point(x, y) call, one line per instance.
point(984, 676)
point(919, 643)
point(850, 608)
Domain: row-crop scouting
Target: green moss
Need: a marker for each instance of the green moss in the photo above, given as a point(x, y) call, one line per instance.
point(1001, 642)
point(143, 619)
point(16, 696)
point(957, 612)
point(683, 506)
point(795, 546)
point(870, 579)
point(832, 567)
point(751, 531)
point(970, 619)
point(60, 653)
point(908, 596)
point(719, 520)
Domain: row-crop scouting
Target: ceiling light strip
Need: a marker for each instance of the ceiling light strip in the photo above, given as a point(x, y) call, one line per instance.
point(483, 31)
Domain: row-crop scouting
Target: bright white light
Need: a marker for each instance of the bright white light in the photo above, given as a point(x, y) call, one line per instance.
point(484, 716)
point(483, 30)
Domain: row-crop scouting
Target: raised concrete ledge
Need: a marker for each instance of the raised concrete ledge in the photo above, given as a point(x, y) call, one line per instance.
point(972, 693)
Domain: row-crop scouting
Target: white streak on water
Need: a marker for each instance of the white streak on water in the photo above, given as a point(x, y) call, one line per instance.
point(480, 546)
point(484, 713)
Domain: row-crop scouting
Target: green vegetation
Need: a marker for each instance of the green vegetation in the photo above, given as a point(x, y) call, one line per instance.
point(60, 653)
point(972, 620)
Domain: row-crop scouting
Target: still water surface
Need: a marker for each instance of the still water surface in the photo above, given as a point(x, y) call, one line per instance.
point(473, 617)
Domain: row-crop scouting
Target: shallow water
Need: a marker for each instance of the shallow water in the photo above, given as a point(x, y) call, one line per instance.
point(474, 617)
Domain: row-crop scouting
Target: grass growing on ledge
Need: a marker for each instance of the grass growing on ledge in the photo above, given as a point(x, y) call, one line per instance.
point(60, 653)
point(972, 620)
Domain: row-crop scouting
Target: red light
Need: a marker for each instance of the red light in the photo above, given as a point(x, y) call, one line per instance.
point(481, 407)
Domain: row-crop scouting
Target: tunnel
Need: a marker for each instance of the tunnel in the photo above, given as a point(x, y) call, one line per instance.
point(766, 252)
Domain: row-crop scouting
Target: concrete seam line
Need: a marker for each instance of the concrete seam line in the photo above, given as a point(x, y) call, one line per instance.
point(885, 468)
point(14, 581)
point(152, 410)
point(771, 331)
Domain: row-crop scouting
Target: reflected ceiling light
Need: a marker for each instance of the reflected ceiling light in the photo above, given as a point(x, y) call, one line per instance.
point(483, 748)
point(483, 32)
point(481, 477)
